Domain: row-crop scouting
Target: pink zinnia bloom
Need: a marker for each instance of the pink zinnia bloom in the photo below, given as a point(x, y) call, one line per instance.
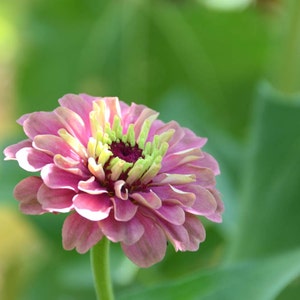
point(119, 172)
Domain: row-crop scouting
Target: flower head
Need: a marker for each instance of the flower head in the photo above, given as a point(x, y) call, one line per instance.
point(118, 172)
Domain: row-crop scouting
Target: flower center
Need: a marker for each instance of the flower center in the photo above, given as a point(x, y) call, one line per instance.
point(125, 151)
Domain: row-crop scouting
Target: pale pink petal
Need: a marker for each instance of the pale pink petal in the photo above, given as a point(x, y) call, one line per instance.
point(205, 203)
point(124, 210)
point(26, 193)
point(149, 199)
point(80, 233)
point(42, 123)
point(120, 190)
point(92, 186)
point(32, 160)
point(55, 200)
point(92, 207)
point(114, 109)
point(174, 214)
point(217, 215)
point(173, 160)
point(70, 165)
point(175, 195)
point(196, 233)
point(209, 162)
point(127, 232)
point(10, 151)
point(79, 105)
point(150, 248)
point(53, 145)
point(73, 123)
point(57, 178)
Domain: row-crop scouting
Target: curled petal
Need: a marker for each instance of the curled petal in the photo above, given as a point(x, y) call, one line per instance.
point(41, 123)
point(174, 214)
point(92, 207)
point(149, 199)
point(173, 179)
point(80, 233)
point(91, 186)
point(10, 151)
point(73, 123)
point(52, 145)
point(26, 193)
point(175, 195)
point(127, 232)
point(150, 248)
point(217, 215)
point(32, 160)
point(124, 210)
point(55, 200)
point(205, 203)
point(120, 191)
point(56, 178)
point(77, 104)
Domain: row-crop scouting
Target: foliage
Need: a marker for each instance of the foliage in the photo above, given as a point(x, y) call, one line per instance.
point(203, 68)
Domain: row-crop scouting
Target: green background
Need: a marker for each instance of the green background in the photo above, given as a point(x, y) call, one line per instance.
point(232, 76)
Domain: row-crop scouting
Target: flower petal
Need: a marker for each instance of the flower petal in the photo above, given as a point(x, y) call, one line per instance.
point(149, 199)
point(42, 123)
point(10, 151)
point(78, 104)
point(150, 248)
point(124, 210)
point(175, 195)
point(174, 214)
point(205, 203)
point(55, 200)
point(52, 145)
point(92, 186)
point(26, 193)
point(56, 178)
point(80, 233)
point(32, 160)
point(92, 207)
point(127, 232)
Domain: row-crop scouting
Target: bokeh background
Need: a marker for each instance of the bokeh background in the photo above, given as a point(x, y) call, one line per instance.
point(229, 70)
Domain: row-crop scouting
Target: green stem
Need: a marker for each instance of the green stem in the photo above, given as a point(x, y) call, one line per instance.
point(100, 267)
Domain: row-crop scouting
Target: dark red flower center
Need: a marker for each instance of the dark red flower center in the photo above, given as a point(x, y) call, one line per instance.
point(126, 152)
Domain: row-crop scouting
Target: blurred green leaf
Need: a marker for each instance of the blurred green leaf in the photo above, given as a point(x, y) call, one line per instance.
point(269, 220)
point(259, 279)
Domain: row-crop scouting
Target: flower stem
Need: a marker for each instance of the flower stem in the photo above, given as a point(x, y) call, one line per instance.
point(100, 267)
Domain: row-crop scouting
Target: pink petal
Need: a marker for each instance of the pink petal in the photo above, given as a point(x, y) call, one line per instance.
point(196, 232)
point(149, 199)
point(55, 200)
point(171, 213)
point(74, 124)
point(52, 145)
point(127, 232)
point(217, 215)
point(150, 248)
point(56, 178)
point(79, 105)
point(92, 207)
point(92, 186)
point(205, 203)
point(113, 108)
point(26, 193)
point(176, 159)
point(32, 160)
point(176, 234)
point(10, 151)
point(42, 123)
point(124, 210)
point(120, 190)
point(80, 233)
point(70, 165)
point(209, 162)
point(175, 195)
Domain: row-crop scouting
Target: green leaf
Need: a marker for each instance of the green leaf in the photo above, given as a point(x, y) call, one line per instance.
point(260, 279)
point(269, 220)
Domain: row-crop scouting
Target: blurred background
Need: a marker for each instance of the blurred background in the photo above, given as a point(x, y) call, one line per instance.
point(229, 70)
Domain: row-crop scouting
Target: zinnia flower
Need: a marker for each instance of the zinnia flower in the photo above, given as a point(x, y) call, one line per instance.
point(118, 172)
